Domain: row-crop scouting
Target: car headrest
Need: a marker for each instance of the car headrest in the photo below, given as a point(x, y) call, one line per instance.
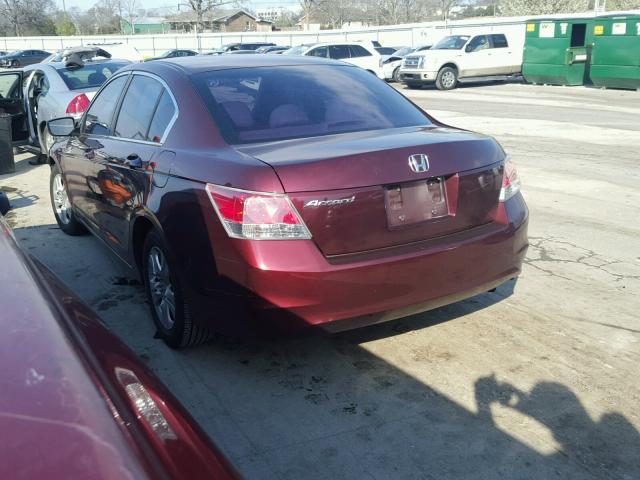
point(97, 78)
point(287, 115)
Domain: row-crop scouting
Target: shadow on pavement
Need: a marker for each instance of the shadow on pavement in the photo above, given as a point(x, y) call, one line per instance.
point(327, 407)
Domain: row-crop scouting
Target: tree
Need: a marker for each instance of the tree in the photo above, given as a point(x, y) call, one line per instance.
point(623, 4)
point(203, 7)
point(64, 26)
point(308, 8)
point(542, 7)
point(131, 9)
point(27, 17)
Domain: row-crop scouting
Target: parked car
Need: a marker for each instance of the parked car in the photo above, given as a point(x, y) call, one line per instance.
point(240, 52)
point(245, 46)
point(290, 188)
point(122, 51)
point(272, 49)
point(174, 54)
point(76, 402)
point(391, 65)
point(460, 58)
point(40, 92)
point(356, 53)
point(20, 58)
point(386, 51)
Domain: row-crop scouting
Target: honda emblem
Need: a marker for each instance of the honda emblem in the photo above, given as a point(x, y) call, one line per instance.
point(419, 163)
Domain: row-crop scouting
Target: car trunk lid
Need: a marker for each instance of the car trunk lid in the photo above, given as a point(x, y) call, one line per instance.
point(358, 192)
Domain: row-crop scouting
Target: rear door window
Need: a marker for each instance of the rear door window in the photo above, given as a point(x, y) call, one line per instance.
point(338, 52)
point(162, 118)
point(499, 41)
point(100, 114)
point(359, 51)
point(138, 107)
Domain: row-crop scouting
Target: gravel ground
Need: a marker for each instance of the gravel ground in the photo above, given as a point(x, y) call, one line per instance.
point(535, 380)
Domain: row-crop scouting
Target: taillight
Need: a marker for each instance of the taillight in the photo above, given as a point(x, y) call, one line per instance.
point(78, 105)
point(257, 215)
point(510, 181)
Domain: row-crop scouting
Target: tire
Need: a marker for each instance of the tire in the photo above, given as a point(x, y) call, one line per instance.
point(447, 78)
point(15, 64)
point(169, 308)
point(396, 75)
point(61, 205)
point(45, 138)
point(5, 205)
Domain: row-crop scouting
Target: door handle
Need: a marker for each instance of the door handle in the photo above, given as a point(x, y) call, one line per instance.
point(134, 161)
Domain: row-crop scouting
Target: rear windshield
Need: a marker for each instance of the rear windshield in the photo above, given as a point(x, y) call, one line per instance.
point(90, 75)
point(275, 103)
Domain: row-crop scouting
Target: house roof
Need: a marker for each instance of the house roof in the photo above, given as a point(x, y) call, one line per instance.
point(219, 16)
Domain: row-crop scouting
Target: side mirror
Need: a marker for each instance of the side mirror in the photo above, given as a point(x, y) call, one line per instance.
point(468, 48)
point(61, 127)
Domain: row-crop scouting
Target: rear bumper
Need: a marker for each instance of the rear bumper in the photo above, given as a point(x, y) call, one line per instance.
point(293, 277)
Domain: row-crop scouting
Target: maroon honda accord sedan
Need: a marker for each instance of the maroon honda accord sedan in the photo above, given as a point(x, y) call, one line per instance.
point(288, 188)
point(75, 403)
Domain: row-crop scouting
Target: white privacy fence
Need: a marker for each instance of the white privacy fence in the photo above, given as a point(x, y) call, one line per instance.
point(395, 35)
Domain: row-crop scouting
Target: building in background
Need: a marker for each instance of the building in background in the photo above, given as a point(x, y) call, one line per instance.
point(220, 21)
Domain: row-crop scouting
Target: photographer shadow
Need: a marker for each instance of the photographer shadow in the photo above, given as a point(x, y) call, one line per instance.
point(605, 448)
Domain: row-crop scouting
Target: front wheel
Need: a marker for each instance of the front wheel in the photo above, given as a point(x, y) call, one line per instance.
point(447, 78)
point(169, 309)
point(396, 75)
point(15, 64)
point(61, 204)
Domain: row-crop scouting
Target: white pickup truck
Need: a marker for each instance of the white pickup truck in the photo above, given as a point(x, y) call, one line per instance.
point(462, 58)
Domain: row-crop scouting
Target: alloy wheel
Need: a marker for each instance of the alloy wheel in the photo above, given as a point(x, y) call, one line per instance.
point(448, 79)
point(161, 287)
point(61, 199)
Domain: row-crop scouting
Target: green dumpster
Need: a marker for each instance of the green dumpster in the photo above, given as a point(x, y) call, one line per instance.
point(556, 51)
point(615, 56)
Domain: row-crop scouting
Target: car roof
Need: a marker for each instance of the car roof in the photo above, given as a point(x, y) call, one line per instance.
point(206, 63)
point(63, 65)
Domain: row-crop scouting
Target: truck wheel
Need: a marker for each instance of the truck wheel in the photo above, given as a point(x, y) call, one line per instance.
point(447, 78)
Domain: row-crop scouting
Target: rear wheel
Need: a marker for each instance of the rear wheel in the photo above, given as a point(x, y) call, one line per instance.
point(447, 78)
point(61, 204)
point(169, 308)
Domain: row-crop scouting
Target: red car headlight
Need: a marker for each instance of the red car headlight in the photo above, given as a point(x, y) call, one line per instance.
point(256, 215)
